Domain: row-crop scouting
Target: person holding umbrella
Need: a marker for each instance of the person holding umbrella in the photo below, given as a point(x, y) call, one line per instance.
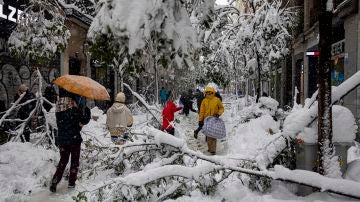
point(71, 115)
point(70, 119)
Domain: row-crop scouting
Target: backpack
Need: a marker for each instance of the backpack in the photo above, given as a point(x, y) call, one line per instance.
point(214, 127)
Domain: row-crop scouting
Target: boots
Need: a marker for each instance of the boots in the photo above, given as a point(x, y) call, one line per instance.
point(53, 187)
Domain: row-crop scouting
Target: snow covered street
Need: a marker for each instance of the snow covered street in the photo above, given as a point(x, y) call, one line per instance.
point(246, 140)
point(179, 100)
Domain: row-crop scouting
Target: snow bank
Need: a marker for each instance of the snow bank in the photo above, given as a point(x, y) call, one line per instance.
point(252, 137)
point(317, 180)
point(24, 169)
point(297, 120)
point(344, 125)
point(96, 128)
point(144, 177)
point(353, 171)
point(96, 112)
point(269, 102)
point(162, 137)
point(51, 118)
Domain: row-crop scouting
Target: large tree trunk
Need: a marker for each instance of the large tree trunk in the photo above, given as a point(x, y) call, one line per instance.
point(325, 146)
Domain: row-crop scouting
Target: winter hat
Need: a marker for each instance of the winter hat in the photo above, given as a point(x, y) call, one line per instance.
point(213, 85)
point(23, 88)
point(120, 97)
point(210, 89)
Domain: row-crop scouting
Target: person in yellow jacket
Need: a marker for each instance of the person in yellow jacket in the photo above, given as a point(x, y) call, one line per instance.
point(210, 106)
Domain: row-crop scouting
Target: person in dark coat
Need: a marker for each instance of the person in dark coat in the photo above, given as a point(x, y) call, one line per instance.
point(163, 96)
point(217, 94)
point(186, 100)
point(25, 110)
point(199, 95)
point(70, 119)
point(51, 95)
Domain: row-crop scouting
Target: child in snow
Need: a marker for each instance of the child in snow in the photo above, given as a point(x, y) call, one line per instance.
point(119, 117)
point(168, 115)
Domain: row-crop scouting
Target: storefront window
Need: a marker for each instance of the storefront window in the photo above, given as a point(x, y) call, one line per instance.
point(337, 67)
point(337, 71)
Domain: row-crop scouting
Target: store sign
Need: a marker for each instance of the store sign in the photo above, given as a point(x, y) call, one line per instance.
point(14, 14)
point(338, 48)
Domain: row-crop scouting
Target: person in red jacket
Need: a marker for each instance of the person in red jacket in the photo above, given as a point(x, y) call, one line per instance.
point(168, 115)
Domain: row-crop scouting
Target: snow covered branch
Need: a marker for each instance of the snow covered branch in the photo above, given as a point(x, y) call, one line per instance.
point(154, 111)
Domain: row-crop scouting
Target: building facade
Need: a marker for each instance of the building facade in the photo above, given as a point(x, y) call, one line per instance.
point(345, 50)
point(14, 72)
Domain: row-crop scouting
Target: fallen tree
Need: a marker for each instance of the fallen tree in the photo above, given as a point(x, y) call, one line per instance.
point(38, 109)
point(143, 175)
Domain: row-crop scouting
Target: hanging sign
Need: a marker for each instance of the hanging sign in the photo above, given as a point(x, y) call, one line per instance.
point(14, 14)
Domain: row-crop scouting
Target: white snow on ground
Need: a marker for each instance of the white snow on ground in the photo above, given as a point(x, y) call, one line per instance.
point(26, 168)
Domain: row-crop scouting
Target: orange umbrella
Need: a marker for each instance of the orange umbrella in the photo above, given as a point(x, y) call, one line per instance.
point(83, 86)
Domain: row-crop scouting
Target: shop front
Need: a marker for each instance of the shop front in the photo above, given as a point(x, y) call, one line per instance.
point(338, 62)
point(14, 72)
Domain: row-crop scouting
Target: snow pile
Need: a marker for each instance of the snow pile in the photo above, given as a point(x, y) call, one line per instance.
point(317, 180)
point(344, 124)
point(269, 103)
point(353, 171)
point(24, 169)
point(96, 128)
point(51, 118)
point(161, 137)
point(297, 120)
point(96, 112)
point(251, 137)
point(300, 123)
point(354, 152)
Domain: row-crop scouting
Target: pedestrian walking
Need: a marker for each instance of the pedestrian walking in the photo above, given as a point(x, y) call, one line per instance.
point(51, 95)
point(119, 117)
point(168, 115)
point(199, 96)
point(210, 106)
point(70, 120)
point(163, 96)
point(186, 100)
point(25, 110)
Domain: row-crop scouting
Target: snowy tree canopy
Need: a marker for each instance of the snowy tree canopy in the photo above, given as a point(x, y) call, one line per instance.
point(155, 27)
point(264, 32)
point(41, 32)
